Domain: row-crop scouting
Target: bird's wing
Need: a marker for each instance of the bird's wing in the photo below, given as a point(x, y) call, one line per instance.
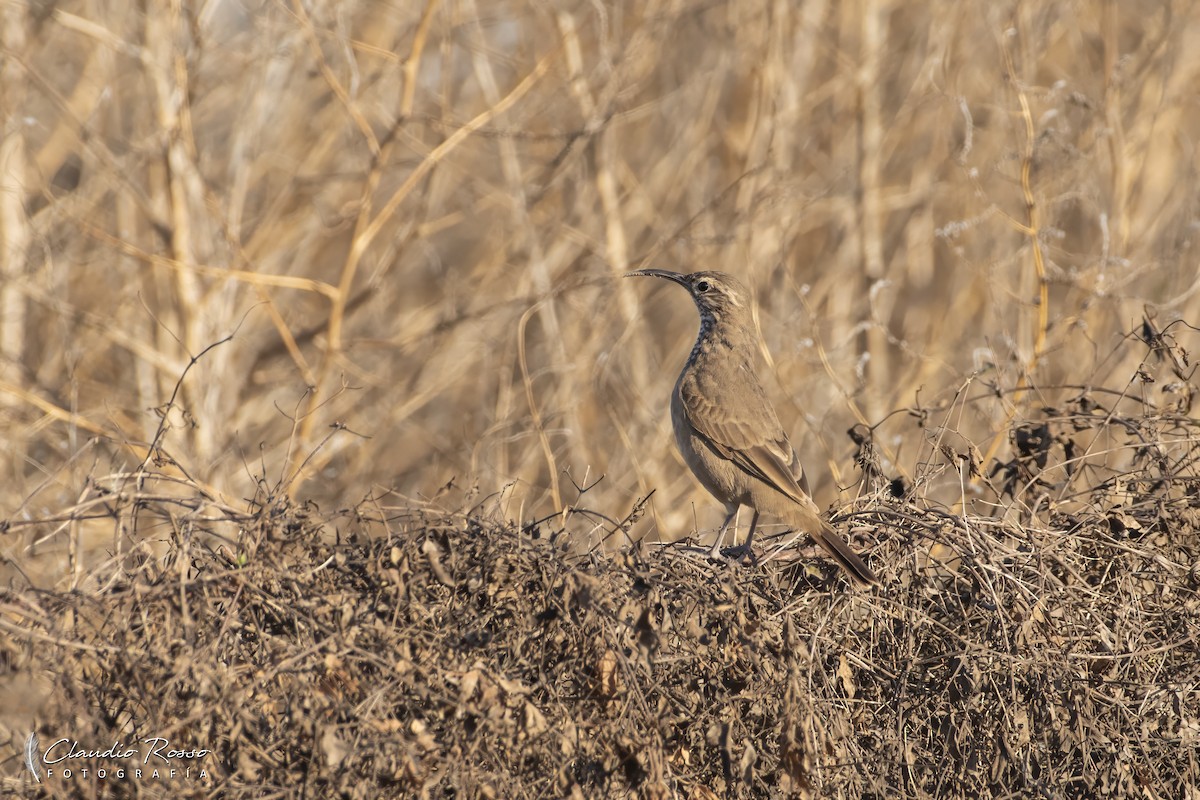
point(746, 431)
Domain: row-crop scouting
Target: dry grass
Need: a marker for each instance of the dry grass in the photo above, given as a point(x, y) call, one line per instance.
point(428, 652)
point(326, 251)
point(419, 211)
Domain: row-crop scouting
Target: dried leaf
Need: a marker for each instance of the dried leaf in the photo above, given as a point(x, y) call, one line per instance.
point(847, 675)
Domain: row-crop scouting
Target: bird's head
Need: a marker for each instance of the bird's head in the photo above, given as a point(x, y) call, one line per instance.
point(719, 296)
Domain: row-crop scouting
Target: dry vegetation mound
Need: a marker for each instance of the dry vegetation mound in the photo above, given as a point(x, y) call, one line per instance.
point(397, 652)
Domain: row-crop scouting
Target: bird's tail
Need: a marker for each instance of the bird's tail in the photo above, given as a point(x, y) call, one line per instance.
point(846, 558)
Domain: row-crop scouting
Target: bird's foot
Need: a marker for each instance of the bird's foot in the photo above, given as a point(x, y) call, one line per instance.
point(739, 554)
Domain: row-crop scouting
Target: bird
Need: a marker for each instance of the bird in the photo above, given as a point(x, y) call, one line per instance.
point(727, 430)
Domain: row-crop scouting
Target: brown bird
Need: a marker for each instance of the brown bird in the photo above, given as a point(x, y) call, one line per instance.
point(728, 431)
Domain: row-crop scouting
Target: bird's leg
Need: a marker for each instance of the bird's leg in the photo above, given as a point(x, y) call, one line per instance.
point(753, 525)
point(745, 549)
point(715, 553)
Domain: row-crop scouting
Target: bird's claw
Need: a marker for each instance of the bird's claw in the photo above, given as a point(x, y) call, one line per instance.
point(738, 554)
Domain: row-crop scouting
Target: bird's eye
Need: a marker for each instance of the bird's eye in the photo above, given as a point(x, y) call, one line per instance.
point(703, 286)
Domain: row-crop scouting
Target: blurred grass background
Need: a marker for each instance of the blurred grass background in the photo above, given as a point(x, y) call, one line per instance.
point(411, 218)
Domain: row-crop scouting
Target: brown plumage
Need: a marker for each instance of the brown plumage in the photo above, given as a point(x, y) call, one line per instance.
point(728, 431)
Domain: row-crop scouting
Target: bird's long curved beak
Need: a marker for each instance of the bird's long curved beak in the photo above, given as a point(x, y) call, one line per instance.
point(676, 277)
